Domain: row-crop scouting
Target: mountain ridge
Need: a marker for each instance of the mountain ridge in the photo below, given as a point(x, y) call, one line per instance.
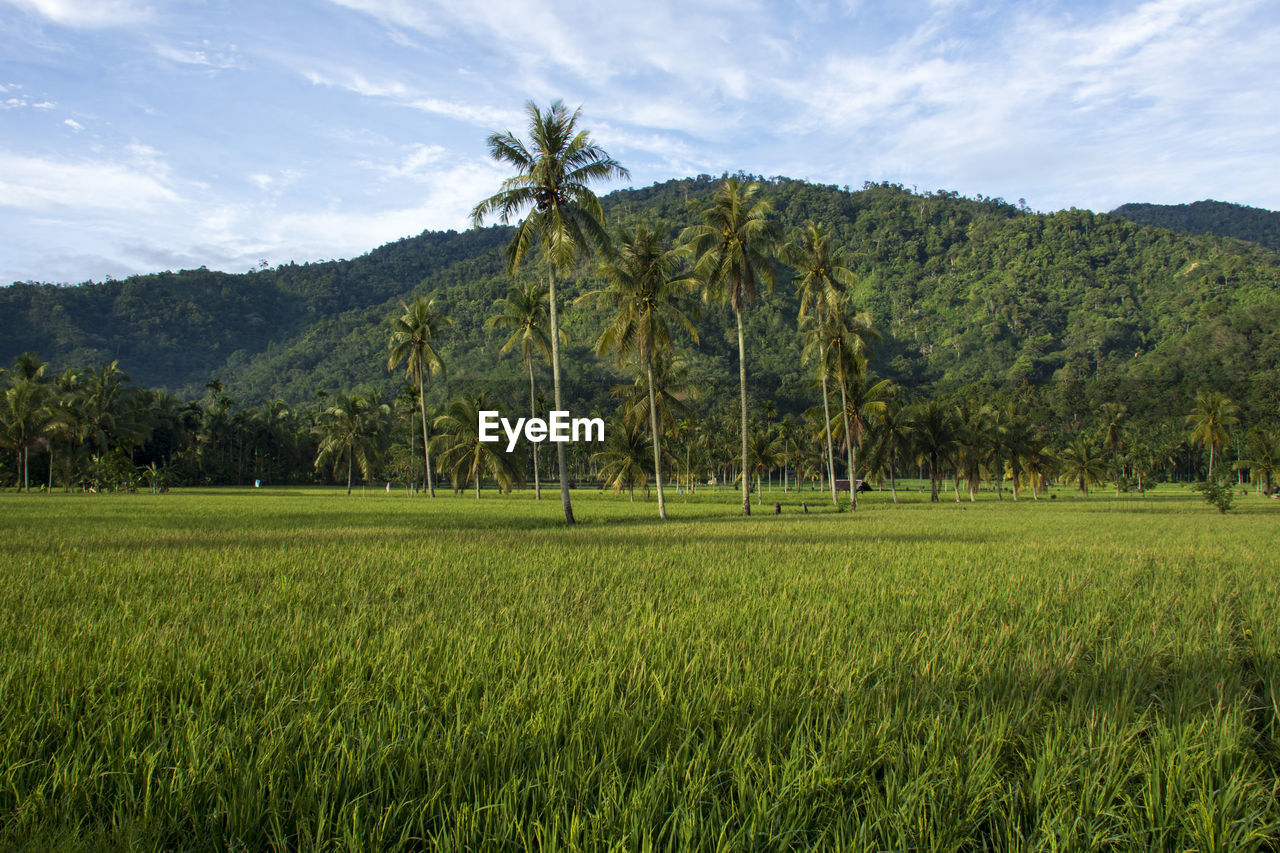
point(971, 292)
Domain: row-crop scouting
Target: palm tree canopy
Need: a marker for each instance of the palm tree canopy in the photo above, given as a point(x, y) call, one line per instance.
point(463, 454)
point(524, 311)
point(1211, 419)
point(821, 275)
point(411, 337)
point(647, 296)
point(353, 429)
point(732, 244)
point(624, 458)
point(554, 170)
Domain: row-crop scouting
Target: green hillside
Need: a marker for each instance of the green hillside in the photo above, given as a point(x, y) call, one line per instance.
point(969, 292)
point(1220, 218)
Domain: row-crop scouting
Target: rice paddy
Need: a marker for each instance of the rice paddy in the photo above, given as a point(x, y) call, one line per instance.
point(271, 669)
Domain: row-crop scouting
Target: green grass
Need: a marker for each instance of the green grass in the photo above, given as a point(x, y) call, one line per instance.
point(274, 669)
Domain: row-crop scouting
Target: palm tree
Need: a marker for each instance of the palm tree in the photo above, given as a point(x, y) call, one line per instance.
point(822, 278)
point(936, 429)
point(1211, 421)
point(1263, 447)
point(1113, 416)
point(109, 409)
point(353, 430)
point(25, 422)
point(866, 394)
point(670, 390)
point(893, 433)
point(1021, 445)
point(463, 454)
point(524, 312)
point(565, 218)
point(732, 248)
point(839, 344)
point(411, 337)
point(971, 448)
point(763, 455)
point(1083, 462)
point(648, 300)
point(622, 461)
point(790, 449)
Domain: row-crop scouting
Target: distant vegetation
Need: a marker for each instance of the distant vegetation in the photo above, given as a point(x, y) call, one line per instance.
point(970, 338)
point(1209, 217)
point(1082, 308)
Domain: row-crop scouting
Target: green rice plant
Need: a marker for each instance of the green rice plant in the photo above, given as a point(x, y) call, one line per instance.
point(239, 669)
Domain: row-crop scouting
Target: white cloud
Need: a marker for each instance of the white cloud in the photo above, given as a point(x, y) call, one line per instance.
point(18, 102)
point(73, 124)
point(202, 55)
point(413, 164)
point(87, 13)
point(39, 184)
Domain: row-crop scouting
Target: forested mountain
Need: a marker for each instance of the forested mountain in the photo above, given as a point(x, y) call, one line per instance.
point(1078, 307)
point(1220, 218)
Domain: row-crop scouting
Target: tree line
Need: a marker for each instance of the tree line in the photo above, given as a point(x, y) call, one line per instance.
point(94, 430)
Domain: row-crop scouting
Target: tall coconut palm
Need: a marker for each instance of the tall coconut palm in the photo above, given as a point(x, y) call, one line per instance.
point(649, 300)
point(1211, 421)
point(353, 430)
point(524, 312)
point(732, 249)
point(670, 387)
point(821, 280)
point(552, 182)
point(1084, 462)
point(839, 344)
point(410, 344)
point(865, 396)
point(463, 454)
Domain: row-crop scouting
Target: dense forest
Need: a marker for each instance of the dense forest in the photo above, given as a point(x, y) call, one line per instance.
point(1220, 218)
point(978, 312)
point(1087, 308)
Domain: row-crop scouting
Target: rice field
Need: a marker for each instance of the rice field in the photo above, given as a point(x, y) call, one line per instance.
point(301, 670)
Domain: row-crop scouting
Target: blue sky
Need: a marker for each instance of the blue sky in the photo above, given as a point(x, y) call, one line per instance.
point(141, 135)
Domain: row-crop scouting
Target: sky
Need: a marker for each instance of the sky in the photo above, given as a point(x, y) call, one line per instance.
point(143, 135)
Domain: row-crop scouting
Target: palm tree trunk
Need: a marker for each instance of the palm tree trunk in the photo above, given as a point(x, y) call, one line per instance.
point(533, 413)
point(476, 478)
point(50, 466)
point(348, 470)
point(742, 384)
point(848, 443)
point(1211, 460)
point(831, 453)
point(26, 470)
point(657, 452)
point(426, 440)
point(893, 484)
point(561, 454)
